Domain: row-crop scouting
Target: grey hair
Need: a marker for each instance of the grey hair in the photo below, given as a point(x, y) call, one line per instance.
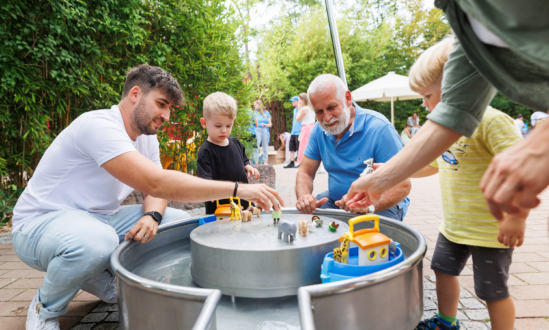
point(325, 80)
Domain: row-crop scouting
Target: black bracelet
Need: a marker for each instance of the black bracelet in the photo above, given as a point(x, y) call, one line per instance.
point(235, 188)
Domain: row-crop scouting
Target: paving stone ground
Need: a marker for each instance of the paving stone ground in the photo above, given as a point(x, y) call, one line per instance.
point(529, 280)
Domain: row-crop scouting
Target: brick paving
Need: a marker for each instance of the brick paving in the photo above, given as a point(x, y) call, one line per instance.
point(529, 280)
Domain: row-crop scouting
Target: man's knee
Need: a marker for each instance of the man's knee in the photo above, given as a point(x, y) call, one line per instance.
point(394, 212)
point(171, 215)
point(91, 252)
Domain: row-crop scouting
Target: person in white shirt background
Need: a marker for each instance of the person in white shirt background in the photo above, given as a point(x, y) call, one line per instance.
point(537, 116)
point(521, 126)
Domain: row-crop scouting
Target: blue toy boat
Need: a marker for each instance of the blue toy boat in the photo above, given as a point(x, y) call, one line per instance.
point(374, 252)
point(333, 271)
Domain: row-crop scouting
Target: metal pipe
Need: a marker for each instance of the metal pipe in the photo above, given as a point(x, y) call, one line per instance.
point(208, 311)
point(335, 41)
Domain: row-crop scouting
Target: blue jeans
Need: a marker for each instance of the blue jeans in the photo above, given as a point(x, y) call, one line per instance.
point(395, 212)
point(72, 247)
point(262, 135)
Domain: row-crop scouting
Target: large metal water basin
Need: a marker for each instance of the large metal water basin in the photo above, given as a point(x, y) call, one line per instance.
point(156, 289)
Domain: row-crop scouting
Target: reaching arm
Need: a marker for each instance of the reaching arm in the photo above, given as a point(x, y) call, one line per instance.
point(148, 178)
point(306, 203)
point(429, 143)
point(425, 172)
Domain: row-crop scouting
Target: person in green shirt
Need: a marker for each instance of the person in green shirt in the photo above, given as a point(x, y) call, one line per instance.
point(501, 45)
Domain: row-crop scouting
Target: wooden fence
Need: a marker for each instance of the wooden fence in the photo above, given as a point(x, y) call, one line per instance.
point(278, 119)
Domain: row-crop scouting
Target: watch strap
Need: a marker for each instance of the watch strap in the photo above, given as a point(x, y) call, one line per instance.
point(155, 215)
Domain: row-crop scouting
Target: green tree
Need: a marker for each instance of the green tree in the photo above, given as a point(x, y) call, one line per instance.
point(62, 58)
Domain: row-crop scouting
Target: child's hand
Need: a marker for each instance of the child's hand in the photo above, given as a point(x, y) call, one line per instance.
point(250, 171)
point(511, 231)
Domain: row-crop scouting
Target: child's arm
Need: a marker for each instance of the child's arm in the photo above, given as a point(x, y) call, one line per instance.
point(426, 171)
point(512, 227)
point(250, 171)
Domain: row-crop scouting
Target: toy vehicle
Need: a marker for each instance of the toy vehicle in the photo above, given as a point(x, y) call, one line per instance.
point(374, 252)
point(223, 211)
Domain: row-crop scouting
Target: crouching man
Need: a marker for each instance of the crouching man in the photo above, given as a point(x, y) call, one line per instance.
point(69, 220)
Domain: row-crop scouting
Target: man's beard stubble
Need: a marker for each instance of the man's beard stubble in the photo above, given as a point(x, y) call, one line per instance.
point(343, 121)
point(141, 120)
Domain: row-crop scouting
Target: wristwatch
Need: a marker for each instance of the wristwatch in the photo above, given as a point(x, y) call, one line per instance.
point(155, 215)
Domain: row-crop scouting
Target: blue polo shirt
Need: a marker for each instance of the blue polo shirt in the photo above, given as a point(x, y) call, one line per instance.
point(370, 136)
point(296, 125)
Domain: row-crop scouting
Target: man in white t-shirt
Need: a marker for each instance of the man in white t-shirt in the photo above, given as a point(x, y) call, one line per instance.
point(537, 116)
point(68, 220)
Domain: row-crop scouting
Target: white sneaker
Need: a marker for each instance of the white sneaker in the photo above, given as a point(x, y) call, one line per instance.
point(102, 286)
point(36, 322)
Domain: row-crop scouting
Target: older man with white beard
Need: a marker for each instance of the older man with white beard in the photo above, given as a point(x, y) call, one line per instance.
point(344, 137)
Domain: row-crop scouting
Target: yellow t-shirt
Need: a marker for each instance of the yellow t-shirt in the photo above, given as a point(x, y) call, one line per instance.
point(467, 219)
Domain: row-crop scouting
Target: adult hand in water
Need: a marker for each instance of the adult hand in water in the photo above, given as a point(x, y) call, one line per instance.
point(521, 169)
point(307, 204)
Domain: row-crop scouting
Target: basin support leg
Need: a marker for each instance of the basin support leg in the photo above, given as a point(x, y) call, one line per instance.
point(233, 300)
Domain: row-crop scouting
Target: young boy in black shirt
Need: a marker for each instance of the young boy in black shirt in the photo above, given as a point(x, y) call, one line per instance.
point(222, 157)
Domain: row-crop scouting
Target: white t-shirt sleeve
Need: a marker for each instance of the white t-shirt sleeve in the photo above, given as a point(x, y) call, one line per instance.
point(103, 140)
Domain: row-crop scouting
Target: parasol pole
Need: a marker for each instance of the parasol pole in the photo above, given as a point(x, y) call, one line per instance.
point(392, 112)
point(335, 41)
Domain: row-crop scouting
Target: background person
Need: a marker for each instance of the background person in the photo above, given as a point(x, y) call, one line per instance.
point(521, 127)
point(413, 123)
point(262, 119)
point(68, 220)
point(306, 116)
point(284, 139)
point(296, 130)
point(537, 116)
point(468, 228)
point(405, 135)
point(344, 137)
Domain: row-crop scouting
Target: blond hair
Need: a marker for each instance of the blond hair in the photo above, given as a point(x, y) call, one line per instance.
point(260, 104)
point(221, 104)
point(430, 64)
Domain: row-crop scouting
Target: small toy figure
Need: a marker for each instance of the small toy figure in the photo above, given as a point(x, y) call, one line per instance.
point(312, 227)
point(247, 216)
point(341, 253)
point(369, 166)
point(303, 228)
point(317, 221)
point(276, 216)
point(235, 210)
point(288, 228)
point(224, 211)
point(333, 226)
point(255, 210)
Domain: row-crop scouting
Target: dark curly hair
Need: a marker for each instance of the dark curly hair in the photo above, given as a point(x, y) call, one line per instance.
point(149, 77)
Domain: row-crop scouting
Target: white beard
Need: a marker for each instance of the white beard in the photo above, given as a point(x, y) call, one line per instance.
point(342, 122)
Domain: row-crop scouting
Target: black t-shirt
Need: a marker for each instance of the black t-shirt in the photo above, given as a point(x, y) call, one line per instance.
point(224, 164)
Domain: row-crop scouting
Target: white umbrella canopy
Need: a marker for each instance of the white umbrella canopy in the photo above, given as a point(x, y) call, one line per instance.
point(391, 87)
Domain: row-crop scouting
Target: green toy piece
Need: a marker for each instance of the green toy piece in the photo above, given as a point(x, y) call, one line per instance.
point(317, 221)
point(333, 226)
point(276, 216)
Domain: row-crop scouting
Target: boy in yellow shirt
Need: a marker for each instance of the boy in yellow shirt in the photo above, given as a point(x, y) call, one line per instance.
point(468, 228)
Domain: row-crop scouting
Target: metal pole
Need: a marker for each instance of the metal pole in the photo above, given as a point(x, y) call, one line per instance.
point(335, 41)
point(392, 112)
